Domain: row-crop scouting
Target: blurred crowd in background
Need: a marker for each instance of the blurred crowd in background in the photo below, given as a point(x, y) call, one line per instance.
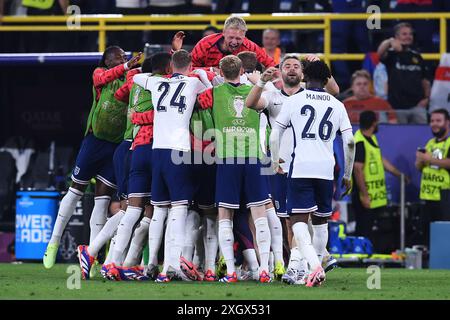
point(348, 36)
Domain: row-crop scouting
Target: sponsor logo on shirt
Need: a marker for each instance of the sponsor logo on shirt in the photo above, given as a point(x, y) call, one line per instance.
point(405, 67)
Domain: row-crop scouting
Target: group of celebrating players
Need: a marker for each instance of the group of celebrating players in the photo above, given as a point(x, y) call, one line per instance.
point(185, 142)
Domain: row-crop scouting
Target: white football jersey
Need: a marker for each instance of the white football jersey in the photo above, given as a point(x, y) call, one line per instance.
point(262, 132)
point(274, 101)
point(173, 100)
point(314, 116)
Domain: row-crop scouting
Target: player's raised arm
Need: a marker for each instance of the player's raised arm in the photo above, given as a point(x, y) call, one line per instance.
point(204, 78)
point(254, 99)
point(102, 76)
point(332, 87)
point(177, 41)
point(123, 93)
point(113, 66)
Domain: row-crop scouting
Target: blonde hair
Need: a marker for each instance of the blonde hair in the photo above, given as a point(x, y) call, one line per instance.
point(361, 74)
point(230, 66)
point(235, 22)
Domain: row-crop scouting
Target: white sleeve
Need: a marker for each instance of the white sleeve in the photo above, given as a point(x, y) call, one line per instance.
point(217, 80)
point(349, 152)
point(268, 99)
point(284, 118)
point(263, 122)
point(275, 139)
point(199, 87)
point(344, 124)
point(141, 80)
point(348, 142)
point(270, 86)
point(203, 77)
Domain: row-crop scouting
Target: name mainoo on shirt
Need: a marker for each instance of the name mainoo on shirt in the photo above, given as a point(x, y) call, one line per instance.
point(322, 97)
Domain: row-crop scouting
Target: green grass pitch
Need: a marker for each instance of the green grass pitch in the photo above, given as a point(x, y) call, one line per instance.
point(32, 281)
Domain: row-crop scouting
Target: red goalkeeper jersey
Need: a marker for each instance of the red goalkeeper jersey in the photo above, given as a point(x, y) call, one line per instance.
point(207, 52)
point(145, 134)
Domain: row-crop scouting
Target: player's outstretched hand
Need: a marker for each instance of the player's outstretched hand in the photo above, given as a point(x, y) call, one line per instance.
point(177, 40)
point(276, 166)
point(134, 62)
point(269, 74)
point(347, 185)
point(254, 76)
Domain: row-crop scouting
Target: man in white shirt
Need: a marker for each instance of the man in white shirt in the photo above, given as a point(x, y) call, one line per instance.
point(314, 117)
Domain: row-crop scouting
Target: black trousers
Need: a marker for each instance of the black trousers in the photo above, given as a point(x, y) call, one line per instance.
point(435, 211)
point(367, 224)
point(365, 218)
point(439, 210)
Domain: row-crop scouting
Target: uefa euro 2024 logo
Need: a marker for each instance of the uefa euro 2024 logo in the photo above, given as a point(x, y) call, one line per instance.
point(237, 107)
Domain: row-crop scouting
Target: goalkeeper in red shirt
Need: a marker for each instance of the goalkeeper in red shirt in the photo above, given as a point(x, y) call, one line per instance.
point(212, 48)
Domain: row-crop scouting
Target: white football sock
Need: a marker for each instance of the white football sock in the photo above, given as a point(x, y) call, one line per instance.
point(124, 232)
point(167, 243)
point(303, 240)
point(310, 228)
point(210, 241)
point(251, 259)
point(138, 240)
point(111, 249)
point(155, 233)
point(271, 262)
point(177, 232)
point(276, 235)
point(65, 211)
point(263, 242)
point(296, 260)
point(320, 240)
point(199, 253)
point(191, 234)
point(105, 234)
point(226, 241)
point(98, 216)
